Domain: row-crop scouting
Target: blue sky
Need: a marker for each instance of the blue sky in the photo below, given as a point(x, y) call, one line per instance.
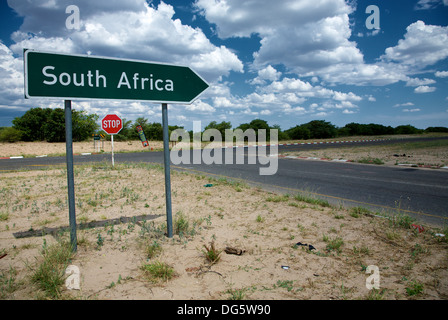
point(287, 62)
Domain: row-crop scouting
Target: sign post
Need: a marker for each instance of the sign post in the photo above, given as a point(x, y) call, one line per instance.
point(112, 124)
point(166, 162)
point(70, 174)
point(68, 77)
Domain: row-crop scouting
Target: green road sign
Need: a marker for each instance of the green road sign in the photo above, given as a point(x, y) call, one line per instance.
point(55, 75)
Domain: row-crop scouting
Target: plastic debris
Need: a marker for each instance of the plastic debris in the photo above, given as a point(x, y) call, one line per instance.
point(310, 247)
point(285, 267)
point(231, 250)
point(418, 227)
point(439, 235)
point(208, 185)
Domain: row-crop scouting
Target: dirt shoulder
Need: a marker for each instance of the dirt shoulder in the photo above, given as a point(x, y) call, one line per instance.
point(431, 154)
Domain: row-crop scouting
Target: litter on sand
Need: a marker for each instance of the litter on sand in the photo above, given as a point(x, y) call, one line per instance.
point(310, 247)
point(418, 227)
point(231, 250)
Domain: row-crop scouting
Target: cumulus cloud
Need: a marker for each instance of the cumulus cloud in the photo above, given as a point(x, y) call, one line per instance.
point(11, 73)
point(423, 45)
point(411, 110)
point(415, 82)
point(441, 74)
point(306, 36)
point(429, 4)
point(406, 104)
point(424, 89)
point(311, 38)
point(105, 30)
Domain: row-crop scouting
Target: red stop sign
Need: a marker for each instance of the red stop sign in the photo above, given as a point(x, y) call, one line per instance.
point(112, 124)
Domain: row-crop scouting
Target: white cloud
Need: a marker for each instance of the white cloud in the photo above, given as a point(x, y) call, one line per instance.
point(236, 20)
point(312, 38)
point(340, 96)
point(441, 74)
point(424, 89)
point(126, 29)
point(411, 110)
point(309, 37)
point(11, 73)
point(423, 45)
point(269, 73)
point(406, 104)
point(415, 82)
point(429, 4)
point(200, 106)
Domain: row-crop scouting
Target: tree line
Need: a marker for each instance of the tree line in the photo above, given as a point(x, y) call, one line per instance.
point(46, 124)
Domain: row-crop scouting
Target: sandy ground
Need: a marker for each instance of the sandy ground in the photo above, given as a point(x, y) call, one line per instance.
point(422, 154)
point(411, 265)
point(49, 149)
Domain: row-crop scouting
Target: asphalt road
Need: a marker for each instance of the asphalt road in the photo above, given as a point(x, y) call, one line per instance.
point(421, 193)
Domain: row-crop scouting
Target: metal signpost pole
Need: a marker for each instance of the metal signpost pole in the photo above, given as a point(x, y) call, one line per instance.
point(166, 160)
point(112, 142)
point(70, 176)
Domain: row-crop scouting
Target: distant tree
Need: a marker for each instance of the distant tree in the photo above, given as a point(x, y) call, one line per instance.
point(126, 133)
point(436, 129)
point(54, 126)
point(320, 129)
point(407, 129)
point(299, 132)
point(31, 124)
point(221, 127)
point(83, 125)
point(10, 134)
point(256, 125)
point(47, 124)
point(356, 129)
point(282, 135)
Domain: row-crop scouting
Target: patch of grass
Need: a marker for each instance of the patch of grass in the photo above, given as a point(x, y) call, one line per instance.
point(158, 271)
point(311, 200)
point(362, 250)
point(279, 198)
point(259, 219)
point(181, 224)
point(212, 254)
point(8, 282)
point(334, 244)
point(4, 216)
point(402, 220)
point(414, 288)
point(356, 212)
point(236, 294)
point(153, 250)
point(287, 284)
point(370, 160)
point(49, 275)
